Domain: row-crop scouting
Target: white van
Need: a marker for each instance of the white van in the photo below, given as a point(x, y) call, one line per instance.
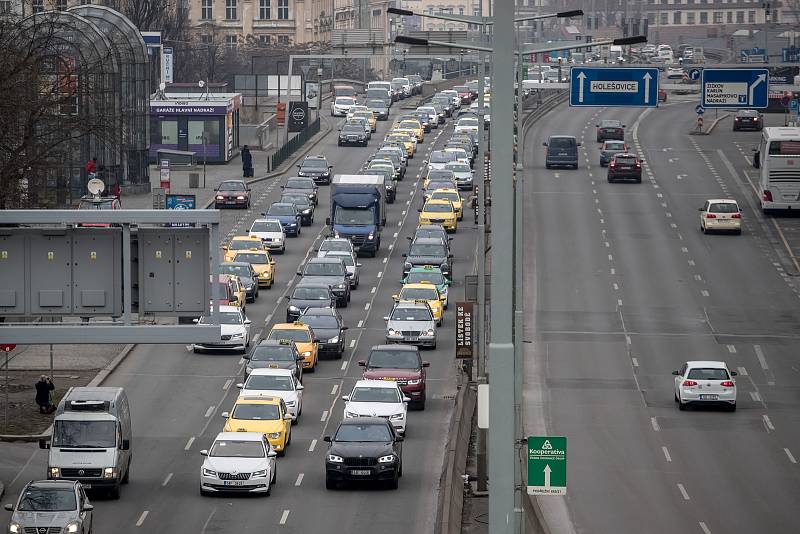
point(91, 440)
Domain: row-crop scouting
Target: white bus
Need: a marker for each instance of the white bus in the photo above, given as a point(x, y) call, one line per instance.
point(778, 160)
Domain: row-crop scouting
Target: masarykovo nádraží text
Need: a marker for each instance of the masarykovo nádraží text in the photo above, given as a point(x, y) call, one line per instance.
point(725, 93)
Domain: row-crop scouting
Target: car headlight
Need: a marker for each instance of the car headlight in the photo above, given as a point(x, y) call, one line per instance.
point(55, 472)
point(248, 369)
point(290, 403)
point(220, 197)
point(278, 239)
point(301, 173)
point(340, 286)
point(414, 381)
point(392, 331)
point(237, 335)
point(430, 332)
point(307, 353)
point(306, 212)
point(335, 459)
point(444, 267)
point(240, 197)
point(259, 474)
point(294, 308)
point(334, 340)
point(350, 414)
point(108, 472)
point(407, 265)
point(397, 416)
point(249, 287)
point(274, 435)
point(389, 458)
point(209, 473)
point(371, 236)
point(72, 527)
point(292, 224)
point(14, 528)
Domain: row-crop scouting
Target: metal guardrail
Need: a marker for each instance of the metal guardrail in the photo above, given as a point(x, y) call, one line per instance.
point(284, 152)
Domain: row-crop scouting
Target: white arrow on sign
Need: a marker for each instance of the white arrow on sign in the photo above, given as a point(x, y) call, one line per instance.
point(761, 78)
point(581, 77)
point(547, 471)
point(647, 79)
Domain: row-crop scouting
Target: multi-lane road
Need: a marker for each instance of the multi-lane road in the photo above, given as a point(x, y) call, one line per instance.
point(176, 396)
point(622, 288)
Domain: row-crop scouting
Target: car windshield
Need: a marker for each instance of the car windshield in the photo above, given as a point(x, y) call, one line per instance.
point(299, 184)
point(402, 313)
point(266, 226)
point(314, 163)
point(256, 412)
point(224, 318)
point(409, 124)
point(244, 244)
point(419, 293)
point(366, 115)
point(625, 160)
point(273, 353)
point(440, 184)
point(747, 113)
point(296, 199)
point(324, 269)
point(427, 249)
point(452, 196)
point(270, 382)
point(294, 334)
point(420, 277)
point(335, 244)
point(311, 293)
point(344, 101)
point(436, 207)
point(352, 128)
point(784, 148)
point(439, 156)
point(434, 232)
point(251, 257)
point(321, 321)
point(386, 359)
point(231, 186)
point(351, 216)
point(281, 210)
point(37, 499)
point(237, 449)
point(370, 394)
point(726, 207)
point(365, 432)
point(238, 270)
point(561, 142)
point(610, 124)
point(85, 434)
point(347, 259)
point(708, 374)
point(468, 121)
point(459, 167)
point(376, 104)
point(441, 174)
point(614, 145)
point(461, 89)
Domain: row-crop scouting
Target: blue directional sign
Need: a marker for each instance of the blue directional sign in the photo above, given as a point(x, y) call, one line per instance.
point(699, 109)
point(694, 74)
point(735, 88)
point(613, 87)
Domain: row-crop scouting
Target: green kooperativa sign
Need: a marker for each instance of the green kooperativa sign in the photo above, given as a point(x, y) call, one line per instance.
point(547, 465)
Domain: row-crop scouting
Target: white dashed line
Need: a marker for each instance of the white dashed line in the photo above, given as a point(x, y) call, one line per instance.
point(691, 263)
point(385, 259)
point(616, 287)
point(210, 411)
point(760, 355)
point(705, 528)
point(698, 277)
point(227, 384)
point(619, 302)
point(166, 480)
point(373, 290)
point(142, 518)
point(380, 273)
point(613, 271)
point(189, 444)
point(395, 235)
point(344, 365)
point(313, 444)
point(299, 479)
point(684, 250)
point(755, 396)
point(324, 416)
point(334, 389)
point(366, 306)
point(610, 257)
point(352, 343)
point(635, 362)
point(790, 455)
point(705, 293)
point(742, 371)
point(683, 492)
point(666, 454)
point(768, 422)
point(360, 324)
point(731, 349)
point(284, 517)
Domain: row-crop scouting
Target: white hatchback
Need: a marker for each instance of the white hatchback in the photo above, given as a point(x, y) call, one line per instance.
point(705, 382)
point(270, 232)
point(720, 215)
point(275, 383)
point(378, 398)
point(238, 462)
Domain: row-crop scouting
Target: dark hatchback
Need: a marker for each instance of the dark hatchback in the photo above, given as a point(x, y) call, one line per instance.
point(610, 129)
point(288, 216)
point(352, 135)
point(611, 149)
point(305, 297)
point(428, 251)
point(275, 354)
point(306, 186)
point(748, 119)
point(328, 329)
point(316, 168)
point(625, 167)
point(232, 194)
point(303, 205)
point(364, 449)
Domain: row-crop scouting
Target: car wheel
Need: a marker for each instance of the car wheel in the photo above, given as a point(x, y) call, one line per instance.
point(342, 303)
point(681, 406)
point(298, 231)
point(330, 484)
point(547, 166)
point(204, 493)
point(269, 491)
point(275, 474)
point(675, 396)
point(732, 407)
point(115, 492)
point(127, 477)
point(738, 232)
point(395, 482)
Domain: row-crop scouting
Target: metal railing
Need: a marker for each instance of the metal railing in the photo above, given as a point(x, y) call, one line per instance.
point(284, 152)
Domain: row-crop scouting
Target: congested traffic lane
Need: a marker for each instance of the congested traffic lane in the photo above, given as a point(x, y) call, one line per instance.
point(176, 398)
point(637, 291)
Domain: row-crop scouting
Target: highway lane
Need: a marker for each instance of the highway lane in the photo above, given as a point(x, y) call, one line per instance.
point(668, 294)
point(177, 396)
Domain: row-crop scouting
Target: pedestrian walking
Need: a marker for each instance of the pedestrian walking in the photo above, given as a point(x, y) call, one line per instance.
point(247, 162)
point(43, 388)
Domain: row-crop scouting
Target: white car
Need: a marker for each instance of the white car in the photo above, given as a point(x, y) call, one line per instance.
point(674, 73)
point(350, 263)
point(462, 173)
point(275, 383)
point(438, 160)
point(235, 330)
point(341, 105)
point(461, 154)
point(270, 232)
point(467, 124)
point(705, 382)
point(453, 94)
point(335, 243)
point(433, 117)
point(378, 398)
point(720, 215)
point(238, 462)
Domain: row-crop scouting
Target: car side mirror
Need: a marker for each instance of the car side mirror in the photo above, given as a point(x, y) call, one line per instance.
point(287, 417)
point(734, 373)
point(204, 452)
point(300, 358)
point(345, 397)
point(225, 414)
point(273, 454)
point(44, 444)
point(597, 126)
point(406, 399)
point(676, 373)
point(300, 387)
point(240, 385)
point(263, 213)
point(126, 445)
point(247, 321)
point(9, 507)
point(299, 273)
point(578, 144)
point(450, 256)
point(362, 363)
point(398, 439)
point(246, 356)
point(326, 439)
point(330, 167)
point(544, 144)
point(287, 297)
point(426, 364)
point(272, 262)
point(195, 320)
point(327, 221)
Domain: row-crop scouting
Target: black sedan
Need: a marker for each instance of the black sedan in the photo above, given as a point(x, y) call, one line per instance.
point(748, 119)
point(275, 354)
point(305, 297)
point(610, 129)
point(352, 135)
point(316, 168)
point(302, 185)
point(364, 448)
point(247, 276)
point(328, 328)
point(303, 205)
point(428, 251)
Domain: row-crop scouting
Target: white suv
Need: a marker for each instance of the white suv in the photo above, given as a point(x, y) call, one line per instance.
point(378, 398)
point(705, 382)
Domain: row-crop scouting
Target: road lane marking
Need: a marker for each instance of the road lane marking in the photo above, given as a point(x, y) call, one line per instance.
point(142, 518)
point(189, 444)
point(635, 362)
point(691, 263)
point(241, 361)
point(698, 277)
point(210, 411)
point(334, 389)
point(684, 250)
point(755, 396)
point(732, 349)
point(284, 516)
point(610, 257)
point(352, 343)
point(742, 371)
point(373, 290)
point(666, 454)
point(616, 286)
point(704, 293)
point(385, 259)
point(313, 444)
point(762, 360)
point(790, 455)
point(683, 492)
point(767, 422)
point(655, 425)
point(395, 235)
point(705, 528)
point(619, 302)
point(324, 415)
point(360, 324)
point(613, 271)
point(227, 384)
point(366, 306)
point(166, 480)
point(344, 365)
point(299, 479)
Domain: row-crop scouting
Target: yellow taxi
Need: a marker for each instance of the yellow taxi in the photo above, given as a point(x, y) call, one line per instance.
point(414, 126)
point(239, 291)
point(423, 292)
point(369, 116)
point(262, 263)
point(241, 242)
point(260, 413)
point(408, 132)
point(439, 212)
point(405, 140)
point(453, 196)
point(355, 109)
point(303, 339)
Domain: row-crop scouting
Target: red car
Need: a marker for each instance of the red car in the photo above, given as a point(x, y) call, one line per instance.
point(464, 93)
point(232, 194)
point(625, 167)
point(402, 364)
point(662, 95)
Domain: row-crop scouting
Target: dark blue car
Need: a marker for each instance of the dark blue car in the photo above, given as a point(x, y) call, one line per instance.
point(287, 214)
point(562, 151)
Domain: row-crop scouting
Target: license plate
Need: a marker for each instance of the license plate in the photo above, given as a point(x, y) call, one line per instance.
point(389, 378)
point(360, 472)
point(412, 338)
point(86, 486)
point(562, 153)
point(232, 483)
point(709, 397)
point(230, 202)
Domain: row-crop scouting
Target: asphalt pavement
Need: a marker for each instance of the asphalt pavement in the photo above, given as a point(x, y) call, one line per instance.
point(177, 396)
point(622, 289)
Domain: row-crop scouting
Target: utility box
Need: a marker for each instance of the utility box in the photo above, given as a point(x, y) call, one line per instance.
point(13, 274)
point(97, 271)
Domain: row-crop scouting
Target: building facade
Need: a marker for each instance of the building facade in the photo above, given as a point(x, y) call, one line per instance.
point(448, 7)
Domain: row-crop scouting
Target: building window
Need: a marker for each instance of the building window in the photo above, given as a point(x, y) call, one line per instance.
point(651, 19)
point(664, 19)
point(86, 2)
point(283, 12)
point(283, 39)
point(37, 6)
point(729, 17)
point(740, 17)
point(690, 17)
point(230, 9)
point(460, 10)
point(264, 40)
point(205, 39)
point(231, 40)
point(751, 17)
point(264, 9)
point(703, 17)
point(676, 17)
point(169, 132)
point(61, 5)
point(5, 7)
point(717, 17)
point(207, 10)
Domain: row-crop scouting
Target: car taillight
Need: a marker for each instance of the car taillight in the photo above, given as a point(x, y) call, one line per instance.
point(689, 383)
point(638, 164)
point(736, 216)
point(710, 216)
point(612, 164)
point(737, 119)
point(728, 384)
point(755, 119)
point(767, 196)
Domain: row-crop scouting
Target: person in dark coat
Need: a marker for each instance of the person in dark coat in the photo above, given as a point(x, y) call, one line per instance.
point(43, 388)
point(247, 162)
